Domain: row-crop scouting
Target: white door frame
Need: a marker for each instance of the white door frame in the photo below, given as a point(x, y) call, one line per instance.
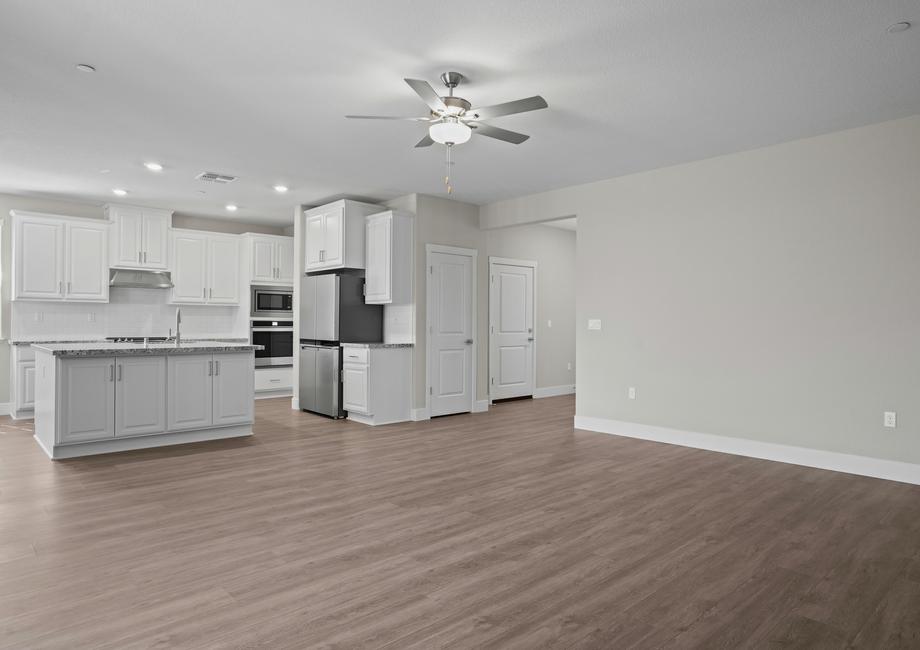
point(473, 254)
point(492, 361)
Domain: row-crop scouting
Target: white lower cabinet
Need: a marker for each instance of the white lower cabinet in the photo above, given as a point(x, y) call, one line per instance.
point(272, 380)
point(376, 382)
point(140, 395)
point(209, 390)
point(87, 399)
point(233, 388)
point(25, 387)
point(354, 388)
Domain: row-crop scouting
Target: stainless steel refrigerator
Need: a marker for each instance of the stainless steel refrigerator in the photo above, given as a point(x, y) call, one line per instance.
point(332, 311)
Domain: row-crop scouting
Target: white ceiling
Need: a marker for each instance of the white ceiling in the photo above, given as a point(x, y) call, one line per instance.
point(258, 90)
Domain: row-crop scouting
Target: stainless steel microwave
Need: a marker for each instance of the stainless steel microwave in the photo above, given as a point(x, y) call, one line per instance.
point(272, 302)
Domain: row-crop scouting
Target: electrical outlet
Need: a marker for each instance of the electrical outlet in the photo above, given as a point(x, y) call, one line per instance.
point(891, 419)
point(38, 317)
point(569, 364)
point(549, 323)
point(91, 317)
point(631, 393)
point(594, 323)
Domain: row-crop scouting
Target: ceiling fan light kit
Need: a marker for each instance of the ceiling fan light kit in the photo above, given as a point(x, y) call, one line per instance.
point(450, 131)
point(453, 121)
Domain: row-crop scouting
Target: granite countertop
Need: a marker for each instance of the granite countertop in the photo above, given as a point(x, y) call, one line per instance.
point(378, 345)
point(191, 339)
point(84, 349)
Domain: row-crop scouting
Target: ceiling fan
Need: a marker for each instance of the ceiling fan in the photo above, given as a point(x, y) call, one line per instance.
point(452, 120)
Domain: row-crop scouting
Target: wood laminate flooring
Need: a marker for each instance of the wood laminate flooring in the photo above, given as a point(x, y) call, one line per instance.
point(507, 529)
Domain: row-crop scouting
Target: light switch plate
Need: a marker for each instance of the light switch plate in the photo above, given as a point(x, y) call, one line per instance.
point(549, 323)
point(594, 323)
point(891, 419)
point(631, 392)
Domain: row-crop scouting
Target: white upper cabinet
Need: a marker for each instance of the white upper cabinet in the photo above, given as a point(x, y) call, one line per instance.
point(224, 270)
point(139, 236)
point(334, 235)
point(388, 242)
point(189, 267)
point(57, 258)
point(271, 259)
point(205, 268)
point(87, 270)
point(38, 252)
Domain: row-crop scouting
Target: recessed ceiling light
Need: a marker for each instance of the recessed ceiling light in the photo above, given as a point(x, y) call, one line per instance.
point(120, 192)
point(902, 26)
point(85, 67)
point(153, 166)
point(281, 189)
point(231, 207)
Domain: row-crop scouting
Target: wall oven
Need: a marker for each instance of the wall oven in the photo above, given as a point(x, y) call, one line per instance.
point(272, 302)
point(277, 338)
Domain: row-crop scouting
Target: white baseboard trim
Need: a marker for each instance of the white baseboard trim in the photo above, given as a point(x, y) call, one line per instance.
point(5, 408)
point(481, 406)
point(143, 442)
point(295, 404)
point(554, 391)
point(891, 470)
point(271, 394)
point(419, 415)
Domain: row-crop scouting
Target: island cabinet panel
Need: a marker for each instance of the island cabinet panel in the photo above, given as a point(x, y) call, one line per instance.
point(233, 389)
point(189, 391)
point(140, 395)
point(87, 401)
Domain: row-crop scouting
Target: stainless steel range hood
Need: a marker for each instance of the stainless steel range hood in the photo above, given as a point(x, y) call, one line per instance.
point(135, 279)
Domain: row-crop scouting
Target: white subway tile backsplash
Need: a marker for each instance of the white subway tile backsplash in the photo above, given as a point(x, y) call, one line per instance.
point(129, 312)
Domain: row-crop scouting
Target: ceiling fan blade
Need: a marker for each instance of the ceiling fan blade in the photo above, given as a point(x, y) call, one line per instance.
point(387, 117)
point(508, 108)
point(428, 94)
point(425, 142)
point(499, 134)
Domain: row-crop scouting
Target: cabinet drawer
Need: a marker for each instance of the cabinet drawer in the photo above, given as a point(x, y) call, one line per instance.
point(354, 355)
point(274, 379)
point(25, 353)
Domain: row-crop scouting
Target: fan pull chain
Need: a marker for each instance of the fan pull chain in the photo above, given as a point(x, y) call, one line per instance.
point(450, 188)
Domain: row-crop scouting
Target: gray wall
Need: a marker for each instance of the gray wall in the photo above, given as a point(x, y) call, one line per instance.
point(9, 202)
point(769, 295)
point(554, 251)
point(452, 223)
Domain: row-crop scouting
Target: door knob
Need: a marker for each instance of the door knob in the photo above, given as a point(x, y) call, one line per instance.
point(469, 341)
point(530, 338)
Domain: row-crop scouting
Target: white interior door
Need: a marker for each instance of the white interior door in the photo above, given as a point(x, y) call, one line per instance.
point(450, 314)
point(511, 351)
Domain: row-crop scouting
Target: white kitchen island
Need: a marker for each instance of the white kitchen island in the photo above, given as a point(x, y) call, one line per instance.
point(96, 398)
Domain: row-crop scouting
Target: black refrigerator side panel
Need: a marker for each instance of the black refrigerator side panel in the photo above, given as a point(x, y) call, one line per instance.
point(358, 323)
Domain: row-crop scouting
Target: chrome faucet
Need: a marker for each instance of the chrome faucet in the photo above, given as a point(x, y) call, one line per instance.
point(178, 324)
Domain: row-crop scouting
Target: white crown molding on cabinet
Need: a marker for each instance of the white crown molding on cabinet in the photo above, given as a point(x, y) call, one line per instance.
point(891, 470)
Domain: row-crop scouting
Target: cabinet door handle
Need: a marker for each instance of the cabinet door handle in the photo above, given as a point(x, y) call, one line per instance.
point(119, 372)
point(112, 372)
point(210, 293)
point(138, 257)
point(68, 286)
point(204, 292)
point(210, 368)
point(145, 257)
point(216, 368)
point(61, 286)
